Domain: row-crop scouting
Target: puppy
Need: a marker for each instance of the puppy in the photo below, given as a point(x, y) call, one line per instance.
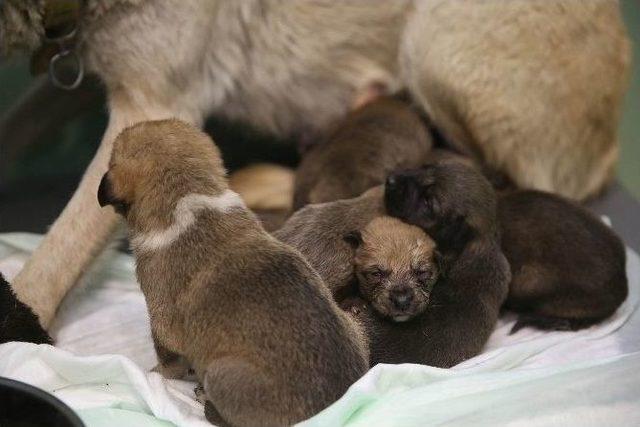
point(456, 206)
point(569, 269)
point(396, 266)
point(318, 231)
point(17, 320)
point(374, 140)
point(244, 310)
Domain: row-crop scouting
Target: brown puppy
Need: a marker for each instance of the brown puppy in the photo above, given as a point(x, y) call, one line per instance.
point(464, 304)
point(372, 141)
point(247, 312)
point(456, 206)
point(396, 266)
point(569, 268)
point(318, 231)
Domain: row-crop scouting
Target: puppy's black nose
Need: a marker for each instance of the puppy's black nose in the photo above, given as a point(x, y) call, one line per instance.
point(401, 298)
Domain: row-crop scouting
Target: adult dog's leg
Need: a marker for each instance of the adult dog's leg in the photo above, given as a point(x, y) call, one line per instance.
point(533, 88)
point(83, 228)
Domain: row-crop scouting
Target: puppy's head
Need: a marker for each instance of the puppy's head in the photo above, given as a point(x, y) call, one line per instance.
point(155, 163)
point(450, 200)
point(396, 265)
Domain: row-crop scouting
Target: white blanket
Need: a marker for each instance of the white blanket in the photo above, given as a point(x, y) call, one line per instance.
point(104, 352)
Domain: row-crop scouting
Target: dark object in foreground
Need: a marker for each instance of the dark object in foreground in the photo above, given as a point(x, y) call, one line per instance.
point(17, 321)
point(26, 406)
point(568, 267)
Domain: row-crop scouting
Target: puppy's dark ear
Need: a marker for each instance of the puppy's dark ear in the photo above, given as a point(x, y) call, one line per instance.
point(353, 238)
point(104, 192)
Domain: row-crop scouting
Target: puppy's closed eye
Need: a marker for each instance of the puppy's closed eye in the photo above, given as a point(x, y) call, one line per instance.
point(376, 274)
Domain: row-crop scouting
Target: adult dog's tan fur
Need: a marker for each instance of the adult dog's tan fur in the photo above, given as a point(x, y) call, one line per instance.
point(246, 311)
point(533, 87)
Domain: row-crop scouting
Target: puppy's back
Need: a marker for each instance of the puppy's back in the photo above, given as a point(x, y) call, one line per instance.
point(568, 267)
point(372, 141)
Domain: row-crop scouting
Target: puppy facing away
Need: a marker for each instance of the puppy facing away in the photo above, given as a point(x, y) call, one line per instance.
point(318, 231)
point(372, 141)
point(396, 266)
point(456, 206)
point(245, 311)
point(568, 267)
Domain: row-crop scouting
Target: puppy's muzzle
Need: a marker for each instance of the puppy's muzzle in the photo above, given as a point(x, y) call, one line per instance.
point(396, 190)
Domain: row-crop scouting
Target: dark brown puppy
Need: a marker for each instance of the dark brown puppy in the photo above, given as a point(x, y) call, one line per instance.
point(568, 267)
point(372, 141)
point(456, 206)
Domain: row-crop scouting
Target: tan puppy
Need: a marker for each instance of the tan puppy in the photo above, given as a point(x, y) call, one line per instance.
point(247, 312)
point(396, 266)
point(371, 142)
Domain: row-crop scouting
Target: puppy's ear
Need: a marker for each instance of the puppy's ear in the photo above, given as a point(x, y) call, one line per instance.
point(104, 192)
point(106, 197)
point(353, 238)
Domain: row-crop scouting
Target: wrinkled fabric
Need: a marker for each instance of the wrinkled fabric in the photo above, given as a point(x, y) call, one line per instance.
point(103, 356)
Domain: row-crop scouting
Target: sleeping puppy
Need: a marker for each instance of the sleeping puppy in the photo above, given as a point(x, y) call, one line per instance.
point(569, 268)
point(396, 266)
point(464, 303)
point(245, 311)
point(456, 206)
point(372, 141)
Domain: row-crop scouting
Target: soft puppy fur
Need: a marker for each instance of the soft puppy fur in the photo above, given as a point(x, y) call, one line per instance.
point(318, 231)
point(396, 266)
point(372, 141)
point(457, 207)
point(245, 311)
point(568, 267)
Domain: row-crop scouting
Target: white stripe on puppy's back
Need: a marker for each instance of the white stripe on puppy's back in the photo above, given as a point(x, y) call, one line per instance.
point(184, 216)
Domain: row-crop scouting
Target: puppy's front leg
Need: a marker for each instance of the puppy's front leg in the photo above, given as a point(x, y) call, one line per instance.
point(82, 230)
point(170, 364)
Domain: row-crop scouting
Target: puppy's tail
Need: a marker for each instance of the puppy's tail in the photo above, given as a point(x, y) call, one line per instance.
point(241, 394)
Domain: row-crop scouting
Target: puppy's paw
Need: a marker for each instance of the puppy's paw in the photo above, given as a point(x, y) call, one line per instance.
point(354, 306)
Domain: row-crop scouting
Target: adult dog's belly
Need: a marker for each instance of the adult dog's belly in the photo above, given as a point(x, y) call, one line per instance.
point(285, 67)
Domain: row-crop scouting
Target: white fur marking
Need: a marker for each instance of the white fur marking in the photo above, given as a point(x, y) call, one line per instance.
point(184, 216)
point(401, 318)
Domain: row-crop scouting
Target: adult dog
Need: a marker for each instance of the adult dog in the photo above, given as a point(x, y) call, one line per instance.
point(533, 88)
